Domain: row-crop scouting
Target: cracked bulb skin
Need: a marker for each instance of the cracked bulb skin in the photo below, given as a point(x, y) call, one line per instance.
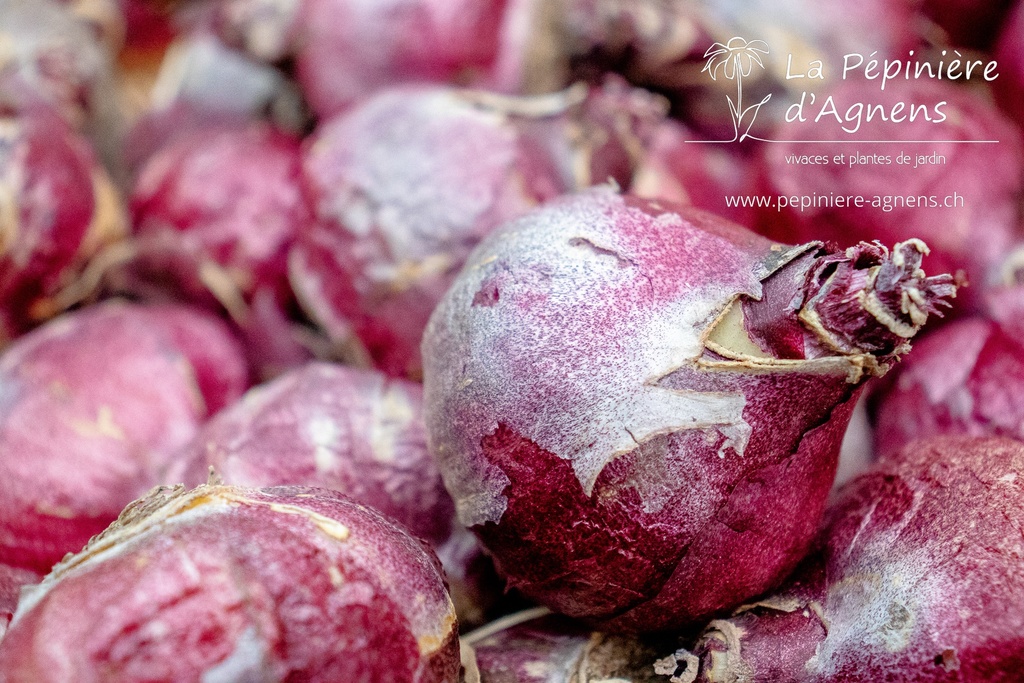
point(226, 583)
point(638, 408)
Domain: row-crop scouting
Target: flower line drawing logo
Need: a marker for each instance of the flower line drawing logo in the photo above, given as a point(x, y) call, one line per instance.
point(735, 60)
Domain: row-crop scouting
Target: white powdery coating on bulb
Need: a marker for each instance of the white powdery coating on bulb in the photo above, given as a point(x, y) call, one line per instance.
point(247, 662)
point(392, 413)
point(420, 201)
point(591, 394)
point(323, 432)
point(926, 595)
point(880, 606)
point(888, 603)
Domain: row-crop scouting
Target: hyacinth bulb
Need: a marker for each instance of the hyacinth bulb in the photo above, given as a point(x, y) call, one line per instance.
point(916, 577)
point(621, 392)
point(65, 211)
point(230, 583)
point(96, 405)
point(404, 186)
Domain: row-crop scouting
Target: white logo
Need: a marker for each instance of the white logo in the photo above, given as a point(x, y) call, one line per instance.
point(735, 60)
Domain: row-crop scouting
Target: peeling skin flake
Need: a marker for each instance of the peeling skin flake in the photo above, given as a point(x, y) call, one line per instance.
point(593, 411)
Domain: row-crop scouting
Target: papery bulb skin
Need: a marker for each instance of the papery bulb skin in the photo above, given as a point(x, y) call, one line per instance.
point(204, 84)
point(377, 44)
point(215, 213)
point(59, 62)
point(858, 449)
point(358, 432)
point(534, 646)
point(354, 431)
point(964, 378)
point(223, 198)
point(622, 392)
